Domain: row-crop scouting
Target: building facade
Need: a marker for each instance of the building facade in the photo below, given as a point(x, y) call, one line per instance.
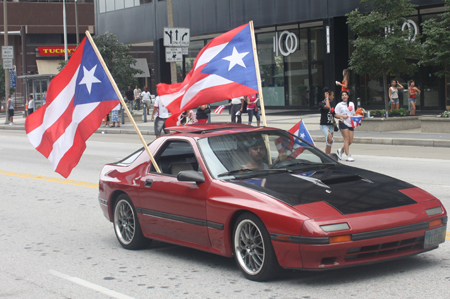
point(303, 45)
point(35, 28)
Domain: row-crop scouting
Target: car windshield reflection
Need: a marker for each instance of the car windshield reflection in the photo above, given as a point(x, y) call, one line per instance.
point(264, 152)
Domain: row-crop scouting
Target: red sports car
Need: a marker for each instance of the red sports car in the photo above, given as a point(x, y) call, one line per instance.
point(267, 198)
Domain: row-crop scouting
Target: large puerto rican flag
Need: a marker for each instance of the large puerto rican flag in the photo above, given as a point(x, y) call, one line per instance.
point(78, 98)
point(224, 69)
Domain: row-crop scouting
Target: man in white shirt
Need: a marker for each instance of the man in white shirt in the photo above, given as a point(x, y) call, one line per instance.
point(137, 97)
point(237, 105)
point(161, 116)
point(146, 99)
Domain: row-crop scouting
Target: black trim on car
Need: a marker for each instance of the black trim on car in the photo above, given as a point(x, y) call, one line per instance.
point(390, 231)
point(299, 239)
point(178, 218)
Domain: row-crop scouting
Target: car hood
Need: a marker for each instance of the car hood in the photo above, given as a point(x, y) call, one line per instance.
point(346, 189)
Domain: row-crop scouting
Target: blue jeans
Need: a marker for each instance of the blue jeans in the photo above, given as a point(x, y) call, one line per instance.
point(252, 112)
point(160, 126)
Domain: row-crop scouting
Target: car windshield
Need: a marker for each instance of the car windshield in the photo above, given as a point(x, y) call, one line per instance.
point(259, 153)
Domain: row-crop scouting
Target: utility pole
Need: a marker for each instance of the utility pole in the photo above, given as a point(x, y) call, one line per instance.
point(5, 29)
point(66, 57)
point(76, 23)
point(173, 65)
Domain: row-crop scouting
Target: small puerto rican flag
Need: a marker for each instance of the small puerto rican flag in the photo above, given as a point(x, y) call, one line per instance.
point(356, 121)
point(219, 109)
point(301, 131)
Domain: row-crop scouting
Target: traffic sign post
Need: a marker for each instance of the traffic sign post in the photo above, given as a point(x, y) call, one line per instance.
point(176, 37)
point(7, 64)
point(174, 54)
point(7, 52)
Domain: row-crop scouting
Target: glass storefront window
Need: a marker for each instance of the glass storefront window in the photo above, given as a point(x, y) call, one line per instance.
point(297, 72)
point(271, 69)
point(194, 48)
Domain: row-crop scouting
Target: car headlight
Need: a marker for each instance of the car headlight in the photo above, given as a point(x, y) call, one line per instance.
point(433, 211)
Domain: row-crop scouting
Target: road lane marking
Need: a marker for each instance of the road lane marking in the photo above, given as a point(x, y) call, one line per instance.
point(448, 236)
point(90, 285)
point(49, 179)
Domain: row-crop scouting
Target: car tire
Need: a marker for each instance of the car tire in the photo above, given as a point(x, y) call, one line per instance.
point(126, 225)
point(253, 249)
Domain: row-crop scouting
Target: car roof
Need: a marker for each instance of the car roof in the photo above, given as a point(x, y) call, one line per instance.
point(214, 129)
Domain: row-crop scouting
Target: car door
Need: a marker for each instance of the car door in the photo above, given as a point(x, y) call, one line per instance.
point(170, 208)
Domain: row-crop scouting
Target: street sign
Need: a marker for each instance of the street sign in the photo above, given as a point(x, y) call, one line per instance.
point(176, 37)
point(185, 50)
point(12, 77)
point(7, 64)
point(7, 52)
point(174, 54)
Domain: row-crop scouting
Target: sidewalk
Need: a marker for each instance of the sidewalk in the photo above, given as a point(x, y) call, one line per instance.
point(413, 137)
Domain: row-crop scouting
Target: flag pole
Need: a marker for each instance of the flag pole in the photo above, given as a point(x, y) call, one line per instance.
point(258, 74)
point(116, 89)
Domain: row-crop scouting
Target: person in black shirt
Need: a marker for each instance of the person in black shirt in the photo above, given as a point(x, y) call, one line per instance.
point(130, 97)
point(326, 108)
point(203, 113)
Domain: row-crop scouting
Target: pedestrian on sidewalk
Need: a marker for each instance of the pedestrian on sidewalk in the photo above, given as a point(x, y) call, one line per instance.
point(327, 115)
point(30, 105)
point(10, 106)
point(412, 91)
point(237, 106)
point(252, 109)
point(147, 100)
point(130, 97)
point(137, 97)
point(345, 82)
point(161, 115)
point(344, 111)
point(393, 94)
point(115, 116)
point(202, 114)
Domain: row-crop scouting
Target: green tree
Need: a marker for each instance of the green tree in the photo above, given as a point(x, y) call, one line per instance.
point(382, 48)
point(117, 58)
point(436, 47)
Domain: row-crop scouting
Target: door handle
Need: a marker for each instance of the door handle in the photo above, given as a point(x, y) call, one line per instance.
point(148, 183)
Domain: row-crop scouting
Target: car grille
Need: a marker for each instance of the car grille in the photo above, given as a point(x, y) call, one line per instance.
point(384, 248)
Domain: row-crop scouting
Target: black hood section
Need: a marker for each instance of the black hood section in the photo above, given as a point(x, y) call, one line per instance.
point(349, 190)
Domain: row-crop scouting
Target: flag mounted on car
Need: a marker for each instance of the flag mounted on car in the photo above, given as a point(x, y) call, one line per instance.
point(294, 147)
point(224, 69)
point(77, 100)
point(301, 131)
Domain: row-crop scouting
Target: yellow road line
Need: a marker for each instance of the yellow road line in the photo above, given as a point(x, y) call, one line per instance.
point(49, 179)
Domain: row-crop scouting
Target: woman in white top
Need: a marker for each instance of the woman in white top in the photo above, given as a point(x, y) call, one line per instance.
point(344, 111)
point(393, 94)
point(30, 104)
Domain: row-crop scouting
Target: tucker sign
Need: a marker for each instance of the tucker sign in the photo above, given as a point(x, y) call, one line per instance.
point(52, 51)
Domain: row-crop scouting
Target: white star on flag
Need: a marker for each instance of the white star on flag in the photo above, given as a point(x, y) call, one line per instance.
point(302, 135)
point(236, 58)
point(89, 78)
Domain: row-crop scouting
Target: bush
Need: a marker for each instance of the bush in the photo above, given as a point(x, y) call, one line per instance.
point(445, 113)
point(396, 112)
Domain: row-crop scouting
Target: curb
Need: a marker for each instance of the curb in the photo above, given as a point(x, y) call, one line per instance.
point(317, 138)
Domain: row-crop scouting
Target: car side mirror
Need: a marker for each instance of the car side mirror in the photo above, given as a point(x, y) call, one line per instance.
point(190, 176)
point(334, 156)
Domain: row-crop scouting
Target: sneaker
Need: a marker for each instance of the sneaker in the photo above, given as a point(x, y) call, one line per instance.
point(339, 153)
point(350, 159)
point(11, 123)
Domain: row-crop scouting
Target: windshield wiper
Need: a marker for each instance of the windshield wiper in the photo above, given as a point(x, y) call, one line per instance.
point(236, 171)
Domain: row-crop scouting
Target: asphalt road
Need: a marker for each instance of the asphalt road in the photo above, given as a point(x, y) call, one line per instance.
point(56, 243)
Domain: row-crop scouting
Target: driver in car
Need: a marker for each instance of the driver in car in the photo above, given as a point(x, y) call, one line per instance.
point(258, 152)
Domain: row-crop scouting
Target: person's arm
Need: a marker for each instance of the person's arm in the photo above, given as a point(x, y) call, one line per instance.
point(154, 111)
point(345, 85)
point(417, 89)
point(242, 104)
point(401, 86)
point(327, 104)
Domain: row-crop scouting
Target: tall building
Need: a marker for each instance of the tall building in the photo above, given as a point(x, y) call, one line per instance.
point(302, 45)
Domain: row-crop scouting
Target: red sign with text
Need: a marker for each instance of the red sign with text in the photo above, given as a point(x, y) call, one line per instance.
point(52, 51)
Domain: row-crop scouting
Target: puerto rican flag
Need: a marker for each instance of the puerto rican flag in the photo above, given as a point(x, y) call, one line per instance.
point(294, 147)
point(356, 121)
point(219, 109)
point(224, 69)
point(78, 98)
point(301, 131)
